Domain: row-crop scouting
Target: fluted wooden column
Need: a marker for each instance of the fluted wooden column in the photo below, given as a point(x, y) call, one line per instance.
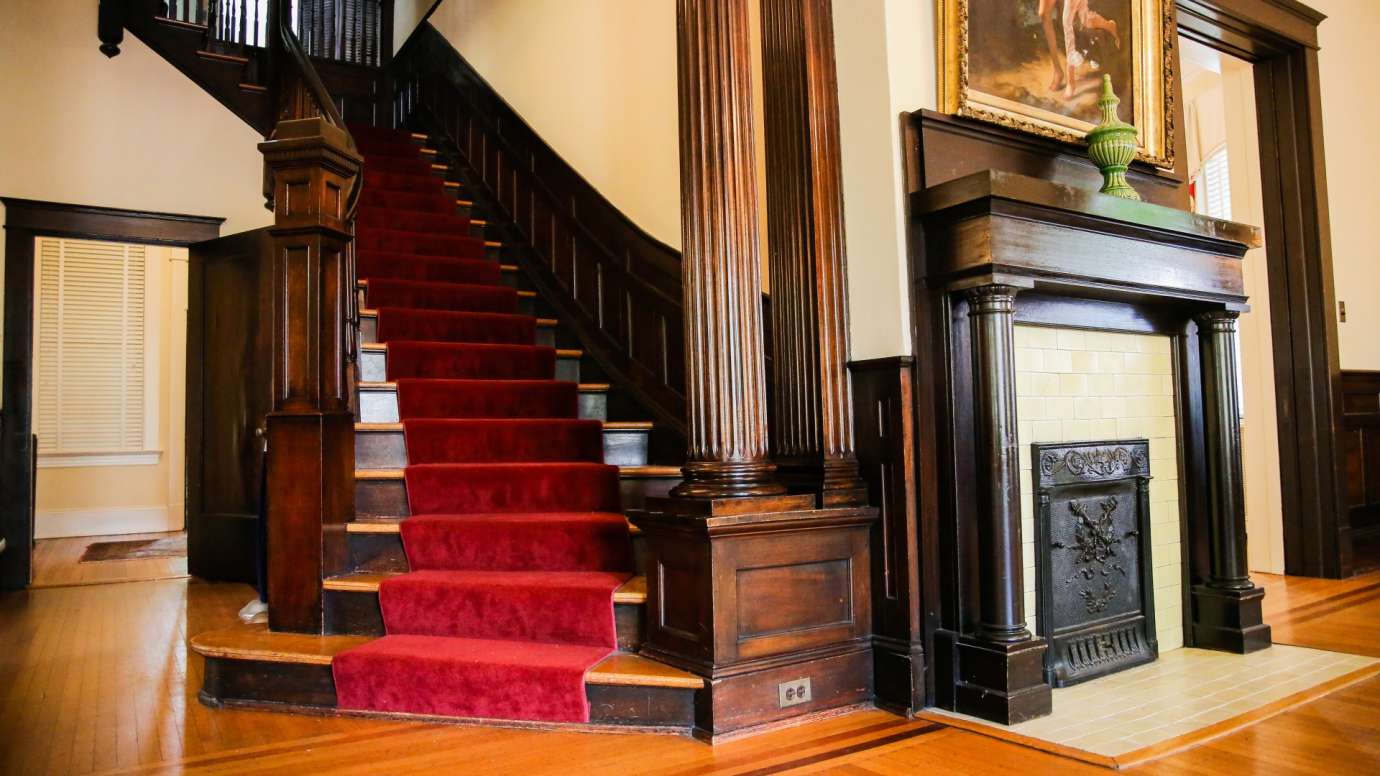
point(725, 391)
point(812, 442)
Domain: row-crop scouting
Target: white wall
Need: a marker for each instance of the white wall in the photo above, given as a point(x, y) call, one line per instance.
point(1348, 61)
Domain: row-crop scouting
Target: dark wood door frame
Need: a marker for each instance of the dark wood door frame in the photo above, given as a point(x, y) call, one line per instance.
point(1280, 38)
point(26, 219)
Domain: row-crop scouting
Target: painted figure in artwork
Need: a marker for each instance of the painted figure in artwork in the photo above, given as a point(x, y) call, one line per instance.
point(1051, 55)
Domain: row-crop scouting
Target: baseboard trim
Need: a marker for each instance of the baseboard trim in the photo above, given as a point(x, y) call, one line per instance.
point(63, 523)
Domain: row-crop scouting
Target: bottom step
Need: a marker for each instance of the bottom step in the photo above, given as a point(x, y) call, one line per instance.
point(250, 665)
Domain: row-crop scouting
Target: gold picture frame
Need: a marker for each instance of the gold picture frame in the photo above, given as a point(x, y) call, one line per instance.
point(1152, 37)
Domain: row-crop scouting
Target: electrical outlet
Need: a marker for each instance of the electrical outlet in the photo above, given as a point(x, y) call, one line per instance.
point(794, 692)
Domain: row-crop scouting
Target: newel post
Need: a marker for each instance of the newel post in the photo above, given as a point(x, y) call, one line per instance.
point(310, 430)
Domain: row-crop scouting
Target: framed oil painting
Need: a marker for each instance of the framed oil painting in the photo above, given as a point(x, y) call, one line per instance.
point(1037, 66)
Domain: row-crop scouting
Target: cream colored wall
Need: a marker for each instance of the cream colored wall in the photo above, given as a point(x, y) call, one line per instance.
point(885, 51)
point(407, 14)
point(127, 132)
point(99, 500)
point(597, 80)
point(1075, 386)
point(1347, 63)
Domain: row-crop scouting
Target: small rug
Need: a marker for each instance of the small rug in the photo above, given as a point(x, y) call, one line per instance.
point(136, 549)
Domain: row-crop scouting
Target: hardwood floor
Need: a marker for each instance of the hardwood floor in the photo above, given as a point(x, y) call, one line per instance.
point(97, 679)
point(58, 562)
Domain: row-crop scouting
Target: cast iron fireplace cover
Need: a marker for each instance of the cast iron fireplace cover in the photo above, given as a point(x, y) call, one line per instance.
point(1095, 576)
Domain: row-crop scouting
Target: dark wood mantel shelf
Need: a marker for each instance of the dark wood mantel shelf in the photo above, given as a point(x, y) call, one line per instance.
point(1034, 233)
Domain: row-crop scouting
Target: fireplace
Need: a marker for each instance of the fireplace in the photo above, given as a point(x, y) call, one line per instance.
point(1095, 581)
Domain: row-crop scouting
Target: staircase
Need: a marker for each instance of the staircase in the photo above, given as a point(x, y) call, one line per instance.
point(492, 572)
point(488, 570)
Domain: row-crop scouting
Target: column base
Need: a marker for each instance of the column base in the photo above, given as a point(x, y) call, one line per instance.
point(728, 479)
point(1229, 620)
point(834, 483)
point(1000, 682)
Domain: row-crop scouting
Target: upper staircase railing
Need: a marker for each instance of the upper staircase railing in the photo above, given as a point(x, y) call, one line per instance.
point(347, 31)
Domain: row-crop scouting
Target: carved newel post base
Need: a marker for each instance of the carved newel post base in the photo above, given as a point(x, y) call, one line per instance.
point(1227, 607)
point(999, 666)
point(310, 430)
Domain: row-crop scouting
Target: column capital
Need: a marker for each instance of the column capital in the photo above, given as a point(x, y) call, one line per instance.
point(991, 298)
point(1217, 320)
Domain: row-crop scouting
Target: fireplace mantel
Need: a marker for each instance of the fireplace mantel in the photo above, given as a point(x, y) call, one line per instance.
point(994, 249)
point(995, 226)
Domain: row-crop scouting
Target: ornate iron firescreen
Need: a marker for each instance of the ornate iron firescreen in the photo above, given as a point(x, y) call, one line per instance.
point(1096, 589)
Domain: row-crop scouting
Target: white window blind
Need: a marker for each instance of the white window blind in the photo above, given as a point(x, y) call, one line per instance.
point(92, 385)
point(1216, 184)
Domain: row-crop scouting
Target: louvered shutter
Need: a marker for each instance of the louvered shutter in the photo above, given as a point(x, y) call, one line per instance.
point(90, 366)
point(1216, 181)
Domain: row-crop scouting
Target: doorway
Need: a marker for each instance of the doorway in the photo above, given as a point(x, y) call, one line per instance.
point(1280, 45)
point(1223, 157)
point(92, 405)
point(109, 365)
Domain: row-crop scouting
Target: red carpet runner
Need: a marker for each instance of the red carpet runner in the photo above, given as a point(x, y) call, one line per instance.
point(516, 540)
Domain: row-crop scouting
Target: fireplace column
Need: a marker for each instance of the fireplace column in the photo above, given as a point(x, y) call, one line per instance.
point(1000, 672)
point(1227, 607)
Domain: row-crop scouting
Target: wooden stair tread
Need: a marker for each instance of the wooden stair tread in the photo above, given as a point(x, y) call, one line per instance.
point(391, 525)
point(609, 425)
point(226, 58)
point(542, 323)
point(651, 471)
point(623, 471)
point(382, 347)
point(388, 385)
point(257, 642)
point(193, 26)
point(626, 669)
point(634, 591)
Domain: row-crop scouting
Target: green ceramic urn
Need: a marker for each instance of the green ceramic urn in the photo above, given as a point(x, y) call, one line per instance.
point(1112, 145)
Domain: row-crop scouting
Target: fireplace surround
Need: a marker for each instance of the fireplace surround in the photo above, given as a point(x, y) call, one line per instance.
point(996, 249)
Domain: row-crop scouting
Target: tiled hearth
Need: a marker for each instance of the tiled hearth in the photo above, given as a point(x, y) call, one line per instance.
point(1076, 386)
point(1184, 698)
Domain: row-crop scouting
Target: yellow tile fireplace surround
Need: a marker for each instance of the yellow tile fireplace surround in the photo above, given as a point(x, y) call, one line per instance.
point(1077, 386)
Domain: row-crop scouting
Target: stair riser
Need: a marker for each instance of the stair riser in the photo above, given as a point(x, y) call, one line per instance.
point(387, 450)
point(383, 552)
point(373, 367)
point(286, 685)
point(358, 613)
point(381, 406)
point(388, 498)
point(369, 332)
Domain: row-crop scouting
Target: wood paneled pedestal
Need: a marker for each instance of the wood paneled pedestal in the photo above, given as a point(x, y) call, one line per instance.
point(762, 597)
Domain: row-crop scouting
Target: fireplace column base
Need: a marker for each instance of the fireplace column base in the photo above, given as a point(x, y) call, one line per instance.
point(1229, 620)
point(1000, 682)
